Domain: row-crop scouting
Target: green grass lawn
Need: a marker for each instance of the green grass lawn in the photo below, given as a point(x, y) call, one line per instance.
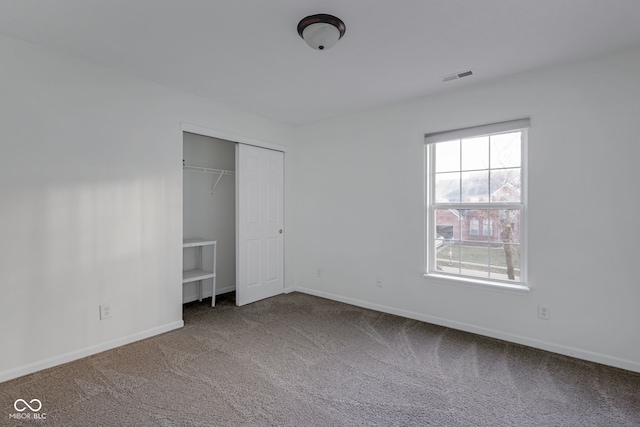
point(478, 257)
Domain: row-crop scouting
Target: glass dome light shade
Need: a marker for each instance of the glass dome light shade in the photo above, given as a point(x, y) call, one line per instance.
point(321, 36)
point(321, 31)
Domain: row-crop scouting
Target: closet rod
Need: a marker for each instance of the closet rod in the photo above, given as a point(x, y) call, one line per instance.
point(208, 170)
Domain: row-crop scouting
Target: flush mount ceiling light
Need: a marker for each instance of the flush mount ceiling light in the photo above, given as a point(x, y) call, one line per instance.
point(321, 31)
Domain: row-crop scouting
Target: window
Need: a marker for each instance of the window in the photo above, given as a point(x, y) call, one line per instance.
point(474, 227)
point(475, 180)
point(486, 227)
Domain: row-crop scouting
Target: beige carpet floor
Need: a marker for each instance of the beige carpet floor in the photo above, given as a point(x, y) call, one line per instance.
point(299, 360)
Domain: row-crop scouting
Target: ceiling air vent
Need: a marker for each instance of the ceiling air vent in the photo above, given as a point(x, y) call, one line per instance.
point(457, 76)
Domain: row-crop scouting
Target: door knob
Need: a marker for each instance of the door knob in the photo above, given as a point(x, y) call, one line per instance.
point(280, 231)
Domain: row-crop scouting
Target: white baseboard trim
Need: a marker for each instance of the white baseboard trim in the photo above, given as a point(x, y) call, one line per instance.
point(289, 290)
point(514, 338)
point(219, 291)
point(89, 351)
point(226, 289)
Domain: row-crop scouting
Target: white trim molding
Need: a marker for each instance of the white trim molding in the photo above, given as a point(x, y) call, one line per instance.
point(191, 297)
point(89, 351)
point(214, 133)
point(492, 333)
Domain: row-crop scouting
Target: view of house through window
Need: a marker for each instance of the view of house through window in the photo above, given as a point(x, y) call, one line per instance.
point(475, 202)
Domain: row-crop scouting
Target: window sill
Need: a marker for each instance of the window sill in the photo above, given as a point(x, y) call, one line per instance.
point(520, 289)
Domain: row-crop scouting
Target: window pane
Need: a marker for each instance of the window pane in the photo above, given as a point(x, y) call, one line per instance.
point(475, 187)
point(448, 258)
point(447, 225)
point(472, 220)
point(448, 156)
point(508, 225)
point(505, 185)
point(505, 262)
point(474, 259)
point(448, 187)
point(505, 150)
point(475, 153)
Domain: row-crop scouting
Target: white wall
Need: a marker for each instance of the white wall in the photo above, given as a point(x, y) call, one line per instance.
point(359, 209)
point(91, 204)
point(207, 215)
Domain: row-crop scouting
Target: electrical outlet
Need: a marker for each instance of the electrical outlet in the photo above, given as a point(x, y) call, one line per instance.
point(544, 312)
point(379, 281)
point(105, 311)
point(320, 272)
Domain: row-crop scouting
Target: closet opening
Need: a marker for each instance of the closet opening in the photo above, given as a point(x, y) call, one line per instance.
point(209, 219)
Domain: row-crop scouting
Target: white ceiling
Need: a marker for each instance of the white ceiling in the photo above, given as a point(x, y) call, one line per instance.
point(247, 53)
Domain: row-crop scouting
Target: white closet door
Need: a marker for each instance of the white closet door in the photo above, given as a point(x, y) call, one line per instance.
point(260, 222)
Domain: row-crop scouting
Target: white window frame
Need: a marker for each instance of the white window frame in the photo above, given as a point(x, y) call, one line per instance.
point(431, 205)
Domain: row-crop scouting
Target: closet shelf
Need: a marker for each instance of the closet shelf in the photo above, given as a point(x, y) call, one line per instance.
point(198, 274)
point(194, 275)
point(208, 170)
point(219, 172)
point(197, 241)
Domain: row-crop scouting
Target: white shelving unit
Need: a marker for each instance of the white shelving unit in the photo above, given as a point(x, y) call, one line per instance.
point(198, 274)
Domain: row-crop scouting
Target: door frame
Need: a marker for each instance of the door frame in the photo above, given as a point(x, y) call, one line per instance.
point(199, 130)
point(239, 139)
